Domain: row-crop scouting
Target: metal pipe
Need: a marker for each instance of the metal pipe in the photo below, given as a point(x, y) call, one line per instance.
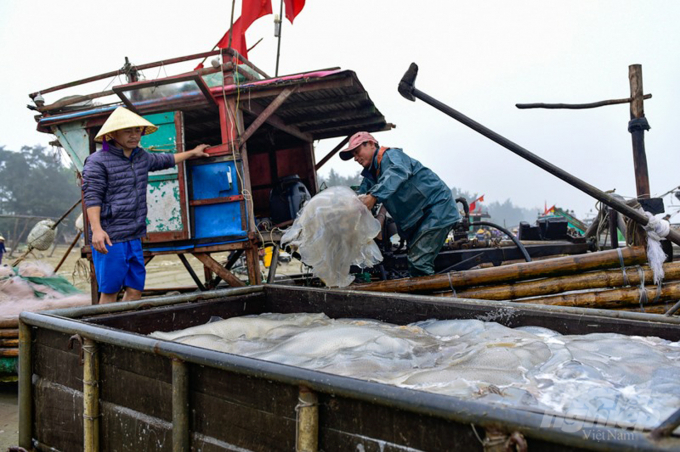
point(510, 235)
point(278, 45)
point(25, 386)
point(180, 406)
point(408, 90)
point(308, 421)
point(123, 306)
point(667, 427)
point(90, 396)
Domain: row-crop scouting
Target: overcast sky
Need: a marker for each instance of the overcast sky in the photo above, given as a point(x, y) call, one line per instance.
point(479, 57)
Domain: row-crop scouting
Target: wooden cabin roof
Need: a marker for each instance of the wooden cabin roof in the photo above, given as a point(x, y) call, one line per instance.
point(320, 104)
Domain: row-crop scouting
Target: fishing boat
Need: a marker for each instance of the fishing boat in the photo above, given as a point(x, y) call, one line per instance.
point(92, 378)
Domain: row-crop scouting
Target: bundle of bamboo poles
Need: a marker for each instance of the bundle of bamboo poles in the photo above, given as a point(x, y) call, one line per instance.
point(9, 340)
point(9, 352)
point(613, 279)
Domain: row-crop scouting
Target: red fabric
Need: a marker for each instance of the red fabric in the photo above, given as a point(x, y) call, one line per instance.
point(238, 42)
point(200, 66)
point(293, 8)
point(473, 204)
point(251, 10)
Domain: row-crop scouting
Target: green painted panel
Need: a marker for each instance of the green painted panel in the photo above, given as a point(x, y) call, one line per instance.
point(163, 140)
point(163, 191)
point(75, 141)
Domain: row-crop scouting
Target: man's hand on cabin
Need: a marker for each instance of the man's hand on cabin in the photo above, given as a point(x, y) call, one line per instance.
point(100, 239)
point(368, 200)
point(195, 153)
point(199, 151)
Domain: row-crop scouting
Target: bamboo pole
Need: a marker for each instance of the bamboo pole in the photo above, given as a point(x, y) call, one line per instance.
point(25, 387)
point(552, 286)
point(90, 396)
point(516, 272)
point(601, 103)
point(7, 332)
point(180, 406)
point(9, 342)
point(653, 309)
point(615, 298)
point(308, 421)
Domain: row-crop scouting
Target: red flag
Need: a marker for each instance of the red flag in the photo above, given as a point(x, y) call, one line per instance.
point(473, 204)
point(251, 10)
point(293, 8)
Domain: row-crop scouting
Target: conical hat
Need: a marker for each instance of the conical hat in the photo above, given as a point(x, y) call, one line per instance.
point(122, 118)
point(2, 238)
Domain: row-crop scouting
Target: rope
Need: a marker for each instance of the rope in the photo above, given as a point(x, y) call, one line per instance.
point(451, 285)
point(626, 282)
point(643, 292)
point(247, 196)
point(301, 404)
point(656, 230)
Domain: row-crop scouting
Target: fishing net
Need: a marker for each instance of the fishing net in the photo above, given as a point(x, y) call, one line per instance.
point(33, 286)
point(333, 231)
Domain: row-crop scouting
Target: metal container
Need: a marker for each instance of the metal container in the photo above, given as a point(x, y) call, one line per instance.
point(90, 379)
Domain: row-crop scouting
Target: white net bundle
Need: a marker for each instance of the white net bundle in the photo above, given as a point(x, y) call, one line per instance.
point(333, 231)
point(42, 235)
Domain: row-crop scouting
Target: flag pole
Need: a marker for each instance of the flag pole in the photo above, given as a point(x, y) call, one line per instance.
point(231, 23)
point(278, 48)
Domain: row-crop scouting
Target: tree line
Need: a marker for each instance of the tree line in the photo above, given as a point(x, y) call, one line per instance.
point(35, 183)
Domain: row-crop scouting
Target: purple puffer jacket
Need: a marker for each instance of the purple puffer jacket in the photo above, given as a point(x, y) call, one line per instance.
point(118, 185)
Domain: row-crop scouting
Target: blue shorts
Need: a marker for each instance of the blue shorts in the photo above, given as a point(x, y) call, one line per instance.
point(122, 266)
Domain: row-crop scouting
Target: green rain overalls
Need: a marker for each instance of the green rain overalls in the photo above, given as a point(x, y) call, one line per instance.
point(417, 199)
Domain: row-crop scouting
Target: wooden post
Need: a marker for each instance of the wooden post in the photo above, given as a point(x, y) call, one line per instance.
point(637, 126)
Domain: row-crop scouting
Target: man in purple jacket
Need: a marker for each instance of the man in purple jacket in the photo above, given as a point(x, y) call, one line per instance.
point(114, 188)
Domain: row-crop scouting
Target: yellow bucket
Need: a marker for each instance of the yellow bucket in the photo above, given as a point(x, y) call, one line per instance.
point(268, 252)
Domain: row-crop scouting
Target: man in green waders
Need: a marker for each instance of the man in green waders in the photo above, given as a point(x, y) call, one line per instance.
point(418, 200)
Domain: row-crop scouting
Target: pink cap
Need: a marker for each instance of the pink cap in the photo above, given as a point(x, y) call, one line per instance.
point(355, 141)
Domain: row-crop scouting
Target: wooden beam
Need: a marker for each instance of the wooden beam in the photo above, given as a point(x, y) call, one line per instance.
point(325, 102)
point(274, 120)
point(215, 266)
point(255, 91)
point(267, 113)
point(324, 118)
point(339, 133)
point(354, 123)
point(192, 273)
point(119, 72)
point(328, 156)
point(601, 103)
point(637, 131)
